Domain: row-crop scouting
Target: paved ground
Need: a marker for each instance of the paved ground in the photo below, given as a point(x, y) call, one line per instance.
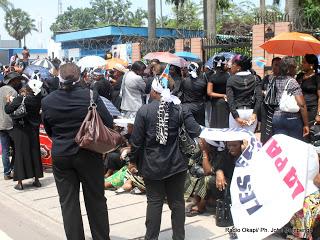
point(35, 214)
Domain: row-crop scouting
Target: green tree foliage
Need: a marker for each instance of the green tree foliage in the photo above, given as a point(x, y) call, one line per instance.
point(186, 16)
point(101, 13)
point(74, 19)
point(18, 24)
point(311, 10)
point(5, 5)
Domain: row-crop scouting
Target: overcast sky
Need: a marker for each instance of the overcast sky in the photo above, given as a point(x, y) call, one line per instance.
point(46, 11)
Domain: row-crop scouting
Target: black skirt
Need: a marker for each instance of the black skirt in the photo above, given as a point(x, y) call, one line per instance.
point(220, 113)
point(27, 162)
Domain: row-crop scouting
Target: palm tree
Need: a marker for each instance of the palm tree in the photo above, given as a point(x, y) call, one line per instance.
point(151, 19)
point(292, 8)
point(19, 24)
point(5, 5)
point(211, 18)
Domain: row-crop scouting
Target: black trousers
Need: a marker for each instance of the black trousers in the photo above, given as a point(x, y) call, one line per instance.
point(157, 190)
point(85, 167)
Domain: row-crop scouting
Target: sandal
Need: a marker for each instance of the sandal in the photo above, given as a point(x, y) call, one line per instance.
point(194, 212)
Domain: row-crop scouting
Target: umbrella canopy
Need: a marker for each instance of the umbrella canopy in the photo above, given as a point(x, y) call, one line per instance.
point(91, 62)
point(167, 57)
point(110, 63)
point(187, 56)
point(292, 44)
point(228, 56)
point(44, 72)
point(43, 63)
point(111, 108)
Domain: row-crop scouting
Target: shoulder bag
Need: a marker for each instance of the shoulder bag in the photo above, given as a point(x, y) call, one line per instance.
point(288, 102)
point(94, 135)
point(187, 145)
point(20, 112)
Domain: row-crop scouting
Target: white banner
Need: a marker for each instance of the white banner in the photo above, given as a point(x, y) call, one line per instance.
point(269, 184)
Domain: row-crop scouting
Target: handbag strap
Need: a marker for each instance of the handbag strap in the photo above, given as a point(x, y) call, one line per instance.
point(23, 98)
point(286, 87)
point(92, 103)
point(181, 118)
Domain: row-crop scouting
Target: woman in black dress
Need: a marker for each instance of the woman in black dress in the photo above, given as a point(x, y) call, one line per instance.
point(309, 81)
point(194, 89)
point(216, 90)
point(25, 135)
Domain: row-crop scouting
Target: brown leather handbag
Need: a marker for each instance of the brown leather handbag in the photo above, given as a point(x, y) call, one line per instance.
point(94, 135)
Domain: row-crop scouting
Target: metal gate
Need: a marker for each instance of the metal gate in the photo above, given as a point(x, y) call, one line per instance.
point(226, 43)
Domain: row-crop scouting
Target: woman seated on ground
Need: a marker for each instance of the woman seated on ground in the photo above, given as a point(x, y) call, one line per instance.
point(197, 180)
point(219, 173)
point(306, 222)
point(114, 160)
point(125, 180)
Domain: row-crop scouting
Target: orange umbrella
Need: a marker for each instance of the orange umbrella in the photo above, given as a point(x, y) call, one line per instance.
point(292, 44)
point(110, 63)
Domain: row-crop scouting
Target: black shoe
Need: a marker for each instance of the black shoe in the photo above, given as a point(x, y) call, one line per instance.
point(19, 186)
point(7, 177)
point(36, 183)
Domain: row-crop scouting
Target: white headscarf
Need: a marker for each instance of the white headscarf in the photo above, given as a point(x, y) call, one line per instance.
point(166, 95)
point(35, 86)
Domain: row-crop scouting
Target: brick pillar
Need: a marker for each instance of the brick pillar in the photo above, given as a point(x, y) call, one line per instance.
point(258, 40)
point(196, 47)
point(136, 52)
point(257, 51)
point(178, 45)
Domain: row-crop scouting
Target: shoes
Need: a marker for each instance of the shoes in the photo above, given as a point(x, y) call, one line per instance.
point(37, 184)
point(7, 177)
point(18, 187)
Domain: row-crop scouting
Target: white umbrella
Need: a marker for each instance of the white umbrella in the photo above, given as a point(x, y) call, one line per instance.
point(43, 63)
point(91, 62)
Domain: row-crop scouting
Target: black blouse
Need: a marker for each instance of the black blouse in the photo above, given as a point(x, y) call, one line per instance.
point(194, 90)
point(309, 87)
point(219, 81)
point(156, 161)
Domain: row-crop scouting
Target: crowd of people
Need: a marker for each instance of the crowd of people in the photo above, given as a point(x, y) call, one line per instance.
point(154, 108)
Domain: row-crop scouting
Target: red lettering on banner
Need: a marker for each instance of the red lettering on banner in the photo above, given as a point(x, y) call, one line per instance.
point(291, 179)
point(273, 149)
point(280, 164)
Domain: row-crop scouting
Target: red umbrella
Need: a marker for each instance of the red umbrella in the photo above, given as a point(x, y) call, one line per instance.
point(167, 57)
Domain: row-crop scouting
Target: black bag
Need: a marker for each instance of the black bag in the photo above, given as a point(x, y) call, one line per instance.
point(20, 112)
point(187, 145)
point(315, 135)
point(223, 212)
point(270, 98)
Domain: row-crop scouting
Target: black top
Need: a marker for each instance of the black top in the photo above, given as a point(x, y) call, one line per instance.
point(219, 81)
point(226, 162)
point(103, 88)
point(159, 161)
point(309, 87)
point(33, 105)
point(194, 90)
point(63, 113)
point(244, 90)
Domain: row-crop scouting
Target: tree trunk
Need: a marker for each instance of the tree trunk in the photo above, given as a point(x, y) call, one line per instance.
point(262, 8)
point(24, 41)
point(211, 19)
point(151, 19)
point(205, 14)
point(19, 43)
point(293, 9)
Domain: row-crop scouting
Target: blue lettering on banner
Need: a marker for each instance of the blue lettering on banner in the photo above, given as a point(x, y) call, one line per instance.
point(247, 195)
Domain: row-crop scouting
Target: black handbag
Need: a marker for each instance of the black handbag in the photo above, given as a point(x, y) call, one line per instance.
point(187, 145)
point(20, 112)
point(223, 212)
point(315, 135)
